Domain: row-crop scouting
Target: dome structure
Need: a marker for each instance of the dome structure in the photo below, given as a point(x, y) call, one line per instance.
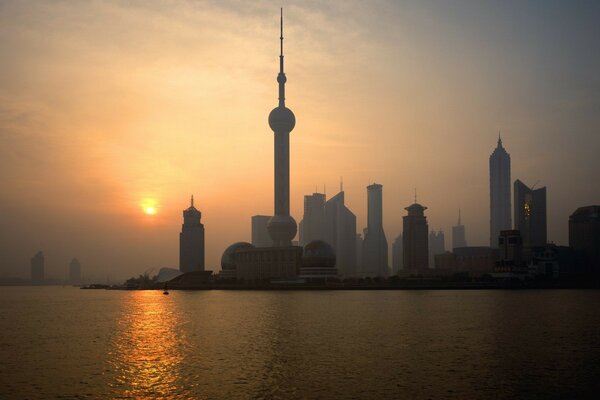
point(227, 261)
point(282, 119)
point(282, 229)
point(318, 254)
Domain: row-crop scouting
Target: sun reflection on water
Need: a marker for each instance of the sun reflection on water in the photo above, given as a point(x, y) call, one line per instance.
point(149, 348)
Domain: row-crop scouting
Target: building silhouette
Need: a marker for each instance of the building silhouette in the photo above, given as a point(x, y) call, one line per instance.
point(340, 233)
point(312, 226)
point(437, 246)
point(458, 234)
point(584, 236)
point(359, 250)
point(530, 214)
point(397, 261)
point(415, 239)
point(260, 233)
point(282, 227)
point(375, 247)
point(74, 271)
point(37, 267)
point(499, 193)
point(191, 240)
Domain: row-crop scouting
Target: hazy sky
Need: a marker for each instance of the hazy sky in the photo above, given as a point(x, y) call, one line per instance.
point(108, 105)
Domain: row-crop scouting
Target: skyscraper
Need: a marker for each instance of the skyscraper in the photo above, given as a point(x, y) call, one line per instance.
point(37, 267)
point(499, 192)
point(340, 233)
point(530, 214)
point(584, 236)
point(397, 262)
point(312, 224)
point(437, 245)
point(415, 239)
point(375, 247)
point(458, 234)
point(260, 233)
point(191, 240)
point(282, 227)
point(74, 271)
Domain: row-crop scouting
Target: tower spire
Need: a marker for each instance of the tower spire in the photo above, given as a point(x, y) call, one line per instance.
point(415, 195)
point(341, 183)
point(459, 216)
point(499, 139)
point(192, 201)
point(281, 77)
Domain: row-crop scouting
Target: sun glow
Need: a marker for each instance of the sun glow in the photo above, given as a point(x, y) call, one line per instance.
point(149, 206)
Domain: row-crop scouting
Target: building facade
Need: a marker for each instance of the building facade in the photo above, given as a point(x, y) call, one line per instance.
point(437, 245)
point(375, 248)
point(500, 209)
point(397, 261)
point(191, 240)
point(530, 214)
point(584, 236)
point(459, 238)
point(260, 233)
point(415, 239)
point(340, 234)
point(312, 226)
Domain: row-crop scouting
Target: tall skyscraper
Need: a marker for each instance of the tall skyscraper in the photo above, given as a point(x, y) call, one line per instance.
point(499, 192)
point(282, 227)
point(584, 236)
point(359, 250)
point(340, 233)
point(530, 214)
point(191, 241)
point(458, 234)
point(415, 239)
point(260, 233)
point(375, 247)
point(437, 245)
point(397, 261)
point(75, 271)
point(312, 224)
point(37, 267)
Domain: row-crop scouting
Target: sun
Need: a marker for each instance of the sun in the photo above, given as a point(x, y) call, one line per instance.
point(149, 206)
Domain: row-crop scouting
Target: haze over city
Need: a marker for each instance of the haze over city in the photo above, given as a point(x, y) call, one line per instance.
point(112, 114)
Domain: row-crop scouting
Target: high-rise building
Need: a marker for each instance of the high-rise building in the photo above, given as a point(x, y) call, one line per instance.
point(75, 271)
point(191, 241)
point(415, 241)
point(530, 214)
point(499, 193)
point(397, 262)
point(282, 227)
point(312, 224)
point(375, 247)
point(340, 234)
point(437, 246)
point(260, 233)
point(359, 250)
point(37, 267)
point(458, 234)
point(584, 236)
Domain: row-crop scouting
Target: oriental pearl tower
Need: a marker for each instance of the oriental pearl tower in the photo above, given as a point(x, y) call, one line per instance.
point(282, 227)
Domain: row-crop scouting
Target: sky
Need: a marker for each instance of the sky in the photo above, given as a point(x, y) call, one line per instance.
point(110, 107)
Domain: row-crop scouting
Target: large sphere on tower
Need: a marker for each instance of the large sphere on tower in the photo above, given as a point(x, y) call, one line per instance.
point(282, 229)
point(282, 119)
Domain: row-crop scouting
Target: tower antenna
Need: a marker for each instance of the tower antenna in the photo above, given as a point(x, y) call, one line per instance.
point(341, 183)
point(192, 201)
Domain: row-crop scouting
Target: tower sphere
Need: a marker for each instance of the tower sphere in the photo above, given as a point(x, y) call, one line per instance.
point(282, 119)
point(282, 229)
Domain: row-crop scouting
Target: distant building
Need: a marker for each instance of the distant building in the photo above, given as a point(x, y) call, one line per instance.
point(74, 272)
point(437, 245)
point(584, 236)
point(375, 247)
point(397, 255)
point(458, 234)
point(476, 260)
point(318, 262)
point(530, 214)
point(340, 232)
point(359, 250)
point(499, 192)
point(415, 239)
point(37, 267)
point(510, 263)
point(191, 241)
point(312, 224)
point(267, 264)
point(260, 233)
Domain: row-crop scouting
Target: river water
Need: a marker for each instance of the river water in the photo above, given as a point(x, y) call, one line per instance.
point(62, 342)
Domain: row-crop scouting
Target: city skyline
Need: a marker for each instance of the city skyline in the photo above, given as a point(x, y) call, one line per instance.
point(135, 171)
